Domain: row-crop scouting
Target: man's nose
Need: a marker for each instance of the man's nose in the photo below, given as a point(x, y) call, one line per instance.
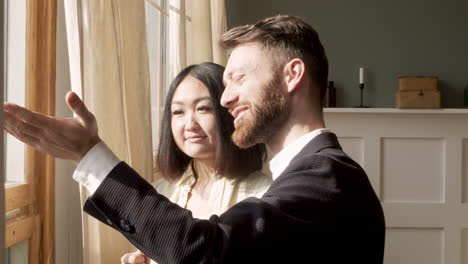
point(228, 98)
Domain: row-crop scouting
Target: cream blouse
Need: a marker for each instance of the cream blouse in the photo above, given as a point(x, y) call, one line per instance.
point(224, 192)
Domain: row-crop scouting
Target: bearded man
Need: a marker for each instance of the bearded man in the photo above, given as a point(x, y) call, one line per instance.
point(320, 208)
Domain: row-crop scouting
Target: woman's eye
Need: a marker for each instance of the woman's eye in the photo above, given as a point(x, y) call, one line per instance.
point(203, 108)
point(177, 112)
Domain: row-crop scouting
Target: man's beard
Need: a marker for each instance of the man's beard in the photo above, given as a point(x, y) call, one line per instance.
point(267, 117)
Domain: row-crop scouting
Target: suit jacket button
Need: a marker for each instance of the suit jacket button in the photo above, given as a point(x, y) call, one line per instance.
point(126, 226)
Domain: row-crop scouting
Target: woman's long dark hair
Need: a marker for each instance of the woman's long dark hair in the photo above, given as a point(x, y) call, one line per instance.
point(231, 161)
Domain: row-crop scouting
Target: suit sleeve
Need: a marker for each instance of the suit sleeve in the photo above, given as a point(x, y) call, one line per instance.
point(166, 232)
point(307, 204)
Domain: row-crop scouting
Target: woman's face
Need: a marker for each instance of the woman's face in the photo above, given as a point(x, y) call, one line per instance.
point(193, 121)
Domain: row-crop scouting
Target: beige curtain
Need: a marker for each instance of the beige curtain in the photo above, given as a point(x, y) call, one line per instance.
point(109, 60)
point(109, 68)
point(194, 30)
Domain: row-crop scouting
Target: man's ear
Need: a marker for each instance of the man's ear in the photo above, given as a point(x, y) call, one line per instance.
point(294, 73)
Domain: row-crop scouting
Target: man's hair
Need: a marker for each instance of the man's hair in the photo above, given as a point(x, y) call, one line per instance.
point(286, 37)
point(231, 161)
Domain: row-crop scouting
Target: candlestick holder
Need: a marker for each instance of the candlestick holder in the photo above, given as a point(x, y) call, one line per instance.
point(361, 105)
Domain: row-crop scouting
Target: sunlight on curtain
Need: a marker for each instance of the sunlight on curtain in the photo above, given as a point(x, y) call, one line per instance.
point(68, 229)
point(180, 33)
point(112, 55)
point(190, 35)
point(155, 21)
point(120, 51)
point(194, 30)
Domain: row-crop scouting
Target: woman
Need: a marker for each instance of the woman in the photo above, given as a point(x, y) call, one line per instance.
point(202, 169)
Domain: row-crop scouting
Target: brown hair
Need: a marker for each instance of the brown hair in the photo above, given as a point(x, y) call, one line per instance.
point(231, 161)
point(288, 36)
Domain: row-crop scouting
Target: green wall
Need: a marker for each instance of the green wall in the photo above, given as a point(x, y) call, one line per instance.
point(388, 38)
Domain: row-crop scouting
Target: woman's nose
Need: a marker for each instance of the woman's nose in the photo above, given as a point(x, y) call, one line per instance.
point(191, 123)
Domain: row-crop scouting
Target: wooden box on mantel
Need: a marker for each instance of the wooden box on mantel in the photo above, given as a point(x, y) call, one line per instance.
point(418, 92)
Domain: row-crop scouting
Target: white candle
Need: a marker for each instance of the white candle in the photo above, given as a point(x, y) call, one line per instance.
point(361, 75)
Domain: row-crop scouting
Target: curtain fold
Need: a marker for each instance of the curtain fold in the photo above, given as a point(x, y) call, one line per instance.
point(218, 27)
point(194, 30)
point(191, 33)
point(109, 69)
point(115, 87)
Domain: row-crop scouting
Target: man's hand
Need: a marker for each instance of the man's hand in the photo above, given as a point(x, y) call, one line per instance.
point(136, 257)
point(65, 138)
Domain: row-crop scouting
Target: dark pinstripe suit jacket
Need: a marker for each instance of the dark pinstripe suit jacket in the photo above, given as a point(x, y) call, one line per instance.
point(321, 209)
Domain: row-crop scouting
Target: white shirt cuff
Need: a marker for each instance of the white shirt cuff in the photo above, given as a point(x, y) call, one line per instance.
point(95, 166)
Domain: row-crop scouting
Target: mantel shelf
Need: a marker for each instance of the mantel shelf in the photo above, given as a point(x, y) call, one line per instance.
point(397, 111)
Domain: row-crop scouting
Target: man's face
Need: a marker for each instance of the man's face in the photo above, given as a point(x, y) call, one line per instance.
point(254, 95)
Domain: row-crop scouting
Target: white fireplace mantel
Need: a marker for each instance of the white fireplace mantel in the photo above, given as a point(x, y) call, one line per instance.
point(417, 162)
point(397, 111)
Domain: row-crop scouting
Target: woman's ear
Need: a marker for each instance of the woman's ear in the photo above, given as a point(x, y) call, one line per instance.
point(294, 73)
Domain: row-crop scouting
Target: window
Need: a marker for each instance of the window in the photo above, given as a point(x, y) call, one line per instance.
point(14, 91)
point(2, 169)
point(15, 82)
point(168, 41)
point(29, 193)
point(156, 19)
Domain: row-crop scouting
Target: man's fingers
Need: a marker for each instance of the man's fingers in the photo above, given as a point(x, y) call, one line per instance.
point(79, 108)
point(30, 140)
point(17, 126)
point(28, 116)
point(44, 146)
point(132, 258)
point(125, 258)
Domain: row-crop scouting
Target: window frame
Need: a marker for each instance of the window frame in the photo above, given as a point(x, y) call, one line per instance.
point(35, 200)
point(2, 168)
point(14, 83)
point(158, 83)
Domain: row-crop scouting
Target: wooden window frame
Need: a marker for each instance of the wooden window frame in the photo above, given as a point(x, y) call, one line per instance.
point(25, 225)
point(35, 200)
point(2, 167)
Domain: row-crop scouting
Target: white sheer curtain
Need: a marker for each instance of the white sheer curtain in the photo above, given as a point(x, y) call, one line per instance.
point(194, 30)
point(189, 34)
point(109, 68)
